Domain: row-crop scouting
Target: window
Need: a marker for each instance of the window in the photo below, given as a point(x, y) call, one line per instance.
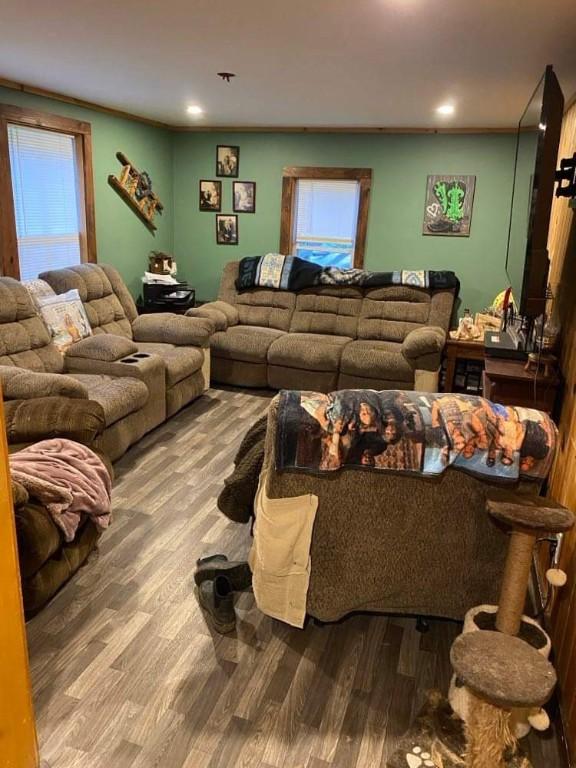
point(46, 211)
point(324, 215)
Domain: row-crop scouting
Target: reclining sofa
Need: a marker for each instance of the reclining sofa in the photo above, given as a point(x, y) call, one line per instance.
point(327, 338)
point(134, 387)
point(180, 343)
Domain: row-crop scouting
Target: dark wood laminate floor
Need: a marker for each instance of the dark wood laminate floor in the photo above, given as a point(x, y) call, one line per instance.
point(127, 674)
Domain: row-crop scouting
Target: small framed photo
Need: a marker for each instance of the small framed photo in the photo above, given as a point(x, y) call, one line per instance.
point(244, 196)
point(226, 229)
point(210, 195)
point(227, 161)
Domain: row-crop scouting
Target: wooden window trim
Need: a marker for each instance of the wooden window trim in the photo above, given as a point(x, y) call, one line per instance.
point(82, 132)
point(290, 176)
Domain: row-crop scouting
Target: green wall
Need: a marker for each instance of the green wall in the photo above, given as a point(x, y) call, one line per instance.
point(400, 165)
point(121, 238)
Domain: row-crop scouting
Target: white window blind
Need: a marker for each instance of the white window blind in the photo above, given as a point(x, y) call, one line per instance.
point(325, 222)
point(44, 183)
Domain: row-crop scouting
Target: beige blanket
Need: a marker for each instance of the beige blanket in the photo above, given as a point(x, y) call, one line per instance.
point(68, 479)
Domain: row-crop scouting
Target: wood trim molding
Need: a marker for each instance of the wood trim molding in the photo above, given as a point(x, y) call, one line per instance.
point(82, 132)
point(8, 243)
point(376, 129)
point(183, 128)
point(37, 119)
point(320, 172)
point(56, 96)
point(290, 176)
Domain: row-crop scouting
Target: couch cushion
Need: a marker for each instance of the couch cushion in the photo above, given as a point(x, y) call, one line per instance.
point(119, 396)
point(248, 343)
point(308, 351)
point(327, 310)
point(390, 313)
point(102, 293)
point(180, 362)
point(376, 360)
point(266, 309)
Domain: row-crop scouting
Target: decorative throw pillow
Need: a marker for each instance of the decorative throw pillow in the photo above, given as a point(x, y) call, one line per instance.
point(38, 289)
point(65, 318)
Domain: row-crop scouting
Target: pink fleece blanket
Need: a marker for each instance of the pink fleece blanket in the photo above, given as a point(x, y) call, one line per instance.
point(68, 479)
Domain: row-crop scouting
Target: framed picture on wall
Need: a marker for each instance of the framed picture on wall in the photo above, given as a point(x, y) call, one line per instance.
point(448, 206)
point(227, 160)
point(226, 229)
point(210, 195)
point(244, 196)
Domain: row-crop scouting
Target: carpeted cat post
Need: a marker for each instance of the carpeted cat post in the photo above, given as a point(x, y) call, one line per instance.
point(502, 667)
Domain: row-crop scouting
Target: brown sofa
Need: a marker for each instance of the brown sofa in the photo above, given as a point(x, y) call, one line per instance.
point(327, 338)
point(180, 343)
point(31, 367)
point(393, 543)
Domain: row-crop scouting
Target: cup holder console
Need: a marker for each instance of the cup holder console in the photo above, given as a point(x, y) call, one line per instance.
point(135, 357)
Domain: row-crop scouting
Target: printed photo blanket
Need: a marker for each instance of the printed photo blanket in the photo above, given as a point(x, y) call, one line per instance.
point(412, 432)
point(290, 273)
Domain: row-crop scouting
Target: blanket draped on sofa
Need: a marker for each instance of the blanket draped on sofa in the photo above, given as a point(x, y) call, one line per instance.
point(68, 478)
point(414, 432)
point(290, 273)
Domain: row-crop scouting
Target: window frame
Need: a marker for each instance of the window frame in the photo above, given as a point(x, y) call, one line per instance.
point(82, 132)
point(292, 174)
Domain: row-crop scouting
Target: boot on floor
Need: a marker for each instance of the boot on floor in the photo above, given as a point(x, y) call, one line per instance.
point(238, 572)
point(216, 596)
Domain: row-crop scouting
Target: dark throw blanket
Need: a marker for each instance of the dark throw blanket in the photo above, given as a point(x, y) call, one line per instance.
point(412, 432)
point(290, 273)
point(236, 500)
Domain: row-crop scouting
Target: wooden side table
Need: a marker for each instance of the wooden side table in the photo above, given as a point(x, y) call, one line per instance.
point(455, 350)
point(507, 382)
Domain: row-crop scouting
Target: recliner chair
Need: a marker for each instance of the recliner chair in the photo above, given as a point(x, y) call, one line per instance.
point(182, 343)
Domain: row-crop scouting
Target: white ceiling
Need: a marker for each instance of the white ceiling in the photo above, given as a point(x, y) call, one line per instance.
point(370, 63)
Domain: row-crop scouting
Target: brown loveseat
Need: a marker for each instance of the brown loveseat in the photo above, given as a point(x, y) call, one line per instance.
point(327, 338)
point(181, 343)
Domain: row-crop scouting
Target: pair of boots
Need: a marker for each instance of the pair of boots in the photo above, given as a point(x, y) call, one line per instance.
point(217, 578)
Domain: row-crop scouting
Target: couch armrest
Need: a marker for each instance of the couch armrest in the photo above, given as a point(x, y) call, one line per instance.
point(423, 342)
point(168, 328)
point(104, 347)
point(19, 384)
point(222, 314)
point(43, 418)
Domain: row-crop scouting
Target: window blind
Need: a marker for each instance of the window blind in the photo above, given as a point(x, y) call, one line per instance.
point(325, 222)
point(44, 184)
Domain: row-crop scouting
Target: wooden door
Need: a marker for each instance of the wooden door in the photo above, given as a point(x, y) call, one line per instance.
point(18, 748)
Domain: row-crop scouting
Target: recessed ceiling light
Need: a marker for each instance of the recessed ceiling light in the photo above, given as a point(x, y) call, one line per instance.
point(445, 109)
point(194, 109)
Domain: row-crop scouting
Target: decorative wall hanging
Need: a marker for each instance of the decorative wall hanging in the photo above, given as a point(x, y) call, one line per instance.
point(226, 229)
point(244, 196)
point(135, 188)
point(566, 179)
point(210, 195)
point(227, 161)
point(448, 209)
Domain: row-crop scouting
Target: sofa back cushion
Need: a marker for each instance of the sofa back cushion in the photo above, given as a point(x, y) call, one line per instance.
point(270, 309)
point(24, 339)
point(328, 311)
point(390, 313)
point(107, 302)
